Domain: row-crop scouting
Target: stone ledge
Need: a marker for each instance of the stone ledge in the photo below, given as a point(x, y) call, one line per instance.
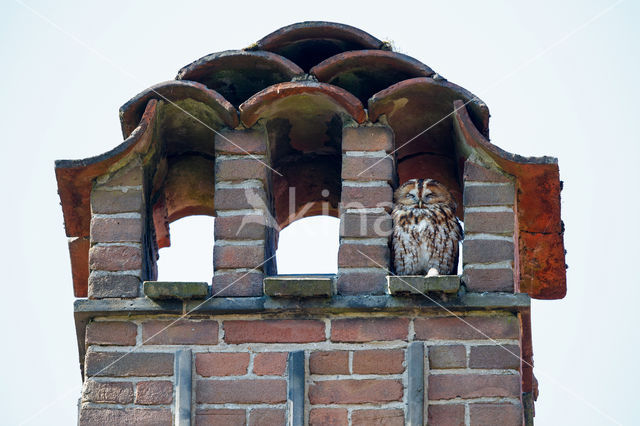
point(86, 309)
point(419, 285)
point(176, 290)
point(307, 285)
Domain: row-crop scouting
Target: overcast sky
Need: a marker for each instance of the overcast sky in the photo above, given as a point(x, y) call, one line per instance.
point(559, 79)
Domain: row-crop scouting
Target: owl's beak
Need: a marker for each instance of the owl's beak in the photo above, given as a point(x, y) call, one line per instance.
point(420, 204)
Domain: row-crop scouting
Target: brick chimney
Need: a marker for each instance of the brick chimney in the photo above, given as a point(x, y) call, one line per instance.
point(265, 136)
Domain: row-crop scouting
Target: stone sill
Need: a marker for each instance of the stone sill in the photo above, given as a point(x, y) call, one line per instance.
point(175, 290)
point(307, 285)
point(421, 285)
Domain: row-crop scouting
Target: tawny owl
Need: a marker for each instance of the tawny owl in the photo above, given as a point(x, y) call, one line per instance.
point(426, 231)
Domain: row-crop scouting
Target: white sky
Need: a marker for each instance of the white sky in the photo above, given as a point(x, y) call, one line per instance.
point(557, 81)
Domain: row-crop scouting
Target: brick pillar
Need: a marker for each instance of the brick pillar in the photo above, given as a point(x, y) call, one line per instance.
point(367, 197)
point(489, 222)
point(242, 250)
point(118, 255)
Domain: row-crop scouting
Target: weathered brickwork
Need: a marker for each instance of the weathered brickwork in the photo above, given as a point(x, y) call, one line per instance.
point(265, 136)
point(117, 232)
point(242, 249)
point(358, 369)
point(489, 224)
point(367, 197)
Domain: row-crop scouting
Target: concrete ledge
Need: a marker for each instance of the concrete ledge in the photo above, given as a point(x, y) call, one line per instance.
point(299, 285)
point(167, 290)
point(419, 285)
point(86, 309)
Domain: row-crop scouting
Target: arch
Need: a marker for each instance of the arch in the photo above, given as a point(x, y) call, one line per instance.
point(239, 74)
point(304, 122)
point(420, 111)
point(309, 43)
point(202, 98)
point(365, 72)
point(281, 99)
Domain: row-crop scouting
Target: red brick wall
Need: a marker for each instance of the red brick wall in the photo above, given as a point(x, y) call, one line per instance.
point(356, 369)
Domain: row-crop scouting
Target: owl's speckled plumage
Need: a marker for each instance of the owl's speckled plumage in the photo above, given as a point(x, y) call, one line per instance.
point(426, 231)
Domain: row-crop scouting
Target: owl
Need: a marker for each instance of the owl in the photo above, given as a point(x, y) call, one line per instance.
point(426, 231)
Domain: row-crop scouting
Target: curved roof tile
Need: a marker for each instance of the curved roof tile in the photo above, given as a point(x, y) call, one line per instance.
point(309, 43)
point(239, 74)
point(173, 91)
point(262, 103)
point(419, 110)
point(540, 230)
point(75, 177)
point(365, 72)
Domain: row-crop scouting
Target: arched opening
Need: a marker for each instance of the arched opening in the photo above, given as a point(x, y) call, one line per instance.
point(190, 256)
point(309, 246)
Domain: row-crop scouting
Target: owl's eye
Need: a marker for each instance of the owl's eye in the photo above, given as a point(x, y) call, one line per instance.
point(412, 196)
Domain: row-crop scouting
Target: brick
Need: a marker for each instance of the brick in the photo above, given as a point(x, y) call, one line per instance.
point(240, 198)
point(229, 257)
point(222, 364)
point(486, 251)
point(115, 258)
point(120, 416)
point(328, 417)
point(495, 414)
point(241, 169)
point(377, 417)
point(369, 329)
point(377, 361)
point(495, 356)
point(241, 142)
point(241, 391)
point(125, 364)
point(154, 392)
point(220, 417)
point(362, 282)
point(369, 138)
point(367, 168)
point(102, 286)
point(116, 201)
point(274, 331)
point(498, 194)
point(365, 225)
point(238, 284)
point(180, 332)
point(364, 197)
point(449, 386)
point(472, 328)
point(241, 227)
point(329, 362)
point(488, 279)
point(446, 415)
point(130, 175)
point(111, 333)
point(363, 256)
point(270, 363)
point(266, 417)
point(479, 173)
point(489, 222)
point(355, 391)
point(447, 356)
point(115, 230)
point(107, 392)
